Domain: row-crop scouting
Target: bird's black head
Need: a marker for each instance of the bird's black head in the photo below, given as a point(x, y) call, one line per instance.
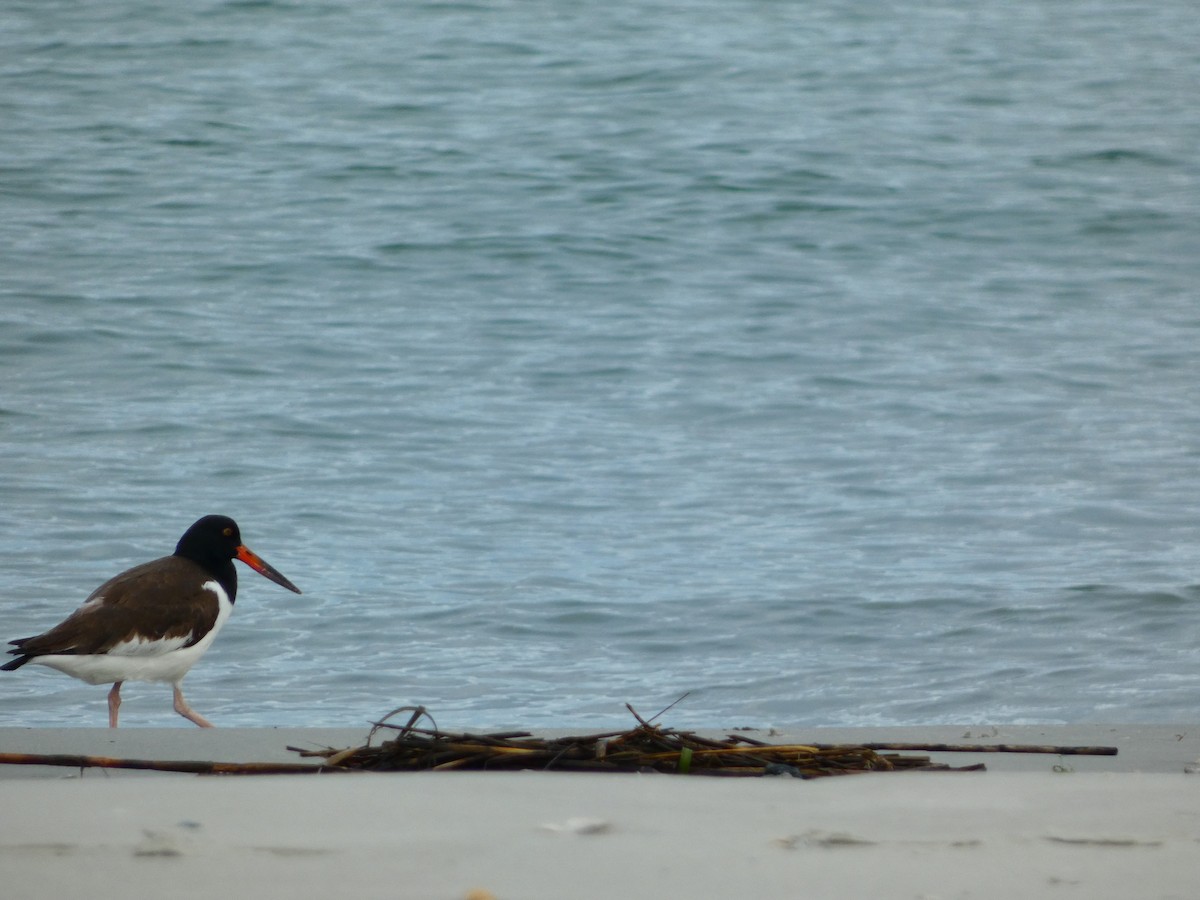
point(215, 540)
point(212, 539)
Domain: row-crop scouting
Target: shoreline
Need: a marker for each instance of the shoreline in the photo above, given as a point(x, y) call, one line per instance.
point(1095, 826)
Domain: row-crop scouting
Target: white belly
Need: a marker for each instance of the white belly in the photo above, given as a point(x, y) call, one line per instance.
point(141, 660)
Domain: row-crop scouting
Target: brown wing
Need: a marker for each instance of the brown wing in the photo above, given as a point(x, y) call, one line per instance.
point(158, 599)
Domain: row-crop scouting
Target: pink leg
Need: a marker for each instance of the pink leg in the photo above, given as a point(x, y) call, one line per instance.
point(187, 712)
point(114, 704)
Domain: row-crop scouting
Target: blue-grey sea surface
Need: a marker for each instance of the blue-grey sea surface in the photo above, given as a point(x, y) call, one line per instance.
point(835, 362)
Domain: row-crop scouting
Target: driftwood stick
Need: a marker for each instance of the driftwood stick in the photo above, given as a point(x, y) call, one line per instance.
point(953, 748)
point(194, 767)
point(984, 748)
point(641, 721)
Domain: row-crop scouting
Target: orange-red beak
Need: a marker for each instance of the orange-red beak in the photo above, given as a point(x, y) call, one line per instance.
point(262, 568)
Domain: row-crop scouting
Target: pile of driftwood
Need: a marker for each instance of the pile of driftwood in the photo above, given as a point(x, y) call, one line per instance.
point(646, 748)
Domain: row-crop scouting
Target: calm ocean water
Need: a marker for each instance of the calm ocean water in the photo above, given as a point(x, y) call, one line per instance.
point(835, 362)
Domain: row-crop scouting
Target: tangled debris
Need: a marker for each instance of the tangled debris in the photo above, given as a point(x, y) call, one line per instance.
point(647, 747)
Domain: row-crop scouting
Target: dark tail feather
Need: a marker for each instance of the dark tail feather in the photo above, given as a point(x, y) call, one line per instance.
point(14, 664)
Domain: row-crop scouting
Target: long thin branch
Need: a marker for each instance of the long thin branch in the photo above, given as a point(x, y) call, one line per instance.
point(195, 767)
point(988, 748)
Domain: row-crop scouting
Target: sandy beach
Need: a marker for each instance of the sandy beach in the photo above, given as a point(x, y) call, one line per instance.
point(1031, 826)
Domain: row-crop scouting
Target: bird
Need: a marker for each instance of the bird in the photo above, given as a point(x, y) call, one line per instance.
point(154, 621)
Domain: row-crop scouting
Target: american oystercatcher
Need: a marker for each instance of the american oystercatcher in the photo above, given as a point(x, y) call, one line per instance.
point(153, 622)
